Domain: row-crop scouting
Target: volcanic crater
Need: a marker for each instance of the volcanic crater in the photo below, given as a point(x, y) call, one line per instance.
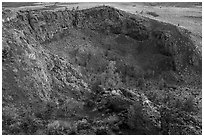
point(98, 71)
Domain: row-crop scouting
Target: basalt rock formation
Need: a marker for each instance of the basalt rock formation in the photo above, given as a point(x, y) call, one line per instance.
point(98, 71)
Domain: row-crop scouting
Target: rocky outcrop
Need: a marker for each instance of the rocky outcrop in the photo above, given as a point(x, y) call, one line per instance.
point(165, 39)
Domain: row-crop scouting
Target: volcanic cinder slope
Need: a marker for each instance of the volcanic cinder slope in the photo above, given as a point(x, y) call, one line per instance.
point(98, 71)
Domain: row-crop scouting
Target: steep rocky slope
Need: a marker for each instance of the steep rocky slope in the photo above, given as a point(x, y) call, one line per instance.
point(98, 71)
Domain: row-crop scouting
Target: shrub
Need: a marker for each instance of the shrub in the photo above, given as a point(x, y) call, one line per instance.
point(152, 14)
point(189, 104)
point(141, 82)
point(135, 116)
point(110, 78)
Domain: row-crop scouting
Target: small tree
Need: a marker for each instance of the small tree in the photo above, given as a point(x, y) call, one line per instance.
point(109, 78)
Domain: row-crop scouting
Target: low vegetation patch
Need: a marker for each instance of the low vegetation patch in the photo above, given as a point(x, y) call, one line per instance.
point(154, 14)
